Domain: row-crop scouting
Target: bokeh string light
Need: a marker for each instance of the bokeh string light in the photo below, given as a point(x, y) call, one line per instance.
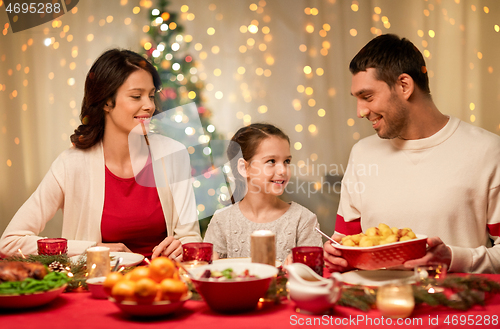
point(244, 92)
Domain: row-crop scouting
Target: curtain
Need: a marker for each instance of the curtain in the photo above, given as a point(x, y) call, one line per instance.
point(278, 61)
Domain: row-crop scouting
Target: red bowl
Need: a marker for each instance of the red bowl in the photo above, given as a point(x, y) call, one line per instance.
point(234, 296)
point(384, 256)
point(154, 309)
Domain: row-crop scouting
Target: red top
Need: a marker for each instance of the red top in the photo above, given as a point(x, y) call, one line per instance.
point(132, 213)
point(347, 228)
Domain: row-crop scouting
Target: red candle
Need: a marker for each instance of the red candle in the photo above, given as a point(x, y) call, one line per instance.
point(56, 246)
point(200, 251)
point(310, 256)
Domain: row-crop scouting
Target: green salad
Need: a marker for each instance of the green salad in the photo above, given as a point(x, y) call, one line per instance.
point(29, 285)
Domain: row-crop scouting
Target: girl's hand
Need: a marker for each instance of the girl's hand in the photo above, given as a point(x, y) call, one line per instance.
point(115, 247)
point(288, 260)
point(169, 247)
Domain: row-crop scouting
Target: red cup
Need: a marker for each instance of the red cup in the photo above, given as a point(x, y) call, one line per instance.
point(200, 251)
point(55, 246)
point(310, 256)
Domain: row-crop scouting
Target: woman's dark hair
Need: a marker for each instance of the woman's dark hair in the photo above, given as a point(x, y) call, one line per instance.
point(106, 75)
point(392, 56)
point(244, 144)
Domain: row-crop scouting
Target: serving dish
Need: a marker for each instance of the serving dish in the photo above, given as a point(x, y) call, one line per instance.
point(233, 296)
point(153, 309)
point(30, 300)
point(384, 256)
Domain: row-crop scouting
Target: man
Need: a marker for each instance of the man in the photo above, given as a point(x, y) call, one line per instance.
point(430, 172)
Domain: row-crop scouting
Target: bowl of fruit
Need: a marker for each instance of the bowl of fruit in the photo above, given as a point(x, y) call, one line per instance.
point(382, 247)
point(232, 288)
point(148, 290)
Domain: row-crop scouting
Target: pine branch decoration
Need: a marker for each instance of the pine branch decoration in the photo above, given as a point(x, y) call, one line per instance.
point(467, 291)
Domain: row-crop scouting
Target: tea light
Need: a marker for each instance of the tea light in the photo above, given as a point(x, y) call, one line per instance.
point(263, 247)
point(310, 256)
point(395, 301)
point(431, 275)
point(56, 246)
point(200, 251)
point(193, 263)
point(98, 262)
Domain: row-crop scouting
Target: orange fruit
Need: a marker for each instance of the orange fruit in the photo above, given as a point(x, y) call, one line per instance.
point(127, 276)
point(139, 273)
point(161, 268)
point(123, 290)
point(111, 279)
point(145, 291)
point(172, 290)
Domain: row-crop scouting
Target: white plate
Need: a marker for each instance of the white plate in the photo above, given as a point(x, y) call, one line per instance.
point(239, 260)
point(129, 259)
point(377, 278)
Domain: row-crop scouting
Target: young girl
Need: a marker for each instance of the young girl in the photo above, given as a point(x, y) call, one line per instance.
point(262, 173)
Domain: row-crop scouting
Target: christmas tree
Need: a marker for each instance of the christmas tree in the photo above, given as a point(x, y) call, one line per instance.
point(186, 120)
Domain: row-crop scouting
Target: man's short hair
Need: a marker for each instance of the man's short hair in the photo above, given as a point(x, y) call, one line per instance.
point(392, 56)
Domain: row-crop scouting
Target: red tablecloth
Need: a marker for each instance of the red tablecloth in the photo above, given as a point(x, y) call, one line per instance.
point(80, 310)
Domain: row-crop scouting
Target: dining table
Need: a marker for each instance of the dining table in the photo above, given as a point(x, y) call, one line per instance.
point(75, 310)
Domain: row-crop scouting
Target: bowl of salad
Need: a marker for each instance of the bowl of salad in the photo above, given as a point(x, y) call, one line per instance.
point(232, 288)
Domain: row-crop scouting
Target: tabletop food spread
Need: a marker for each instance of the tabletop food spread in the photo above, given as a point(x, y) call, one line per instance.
point(229, 292)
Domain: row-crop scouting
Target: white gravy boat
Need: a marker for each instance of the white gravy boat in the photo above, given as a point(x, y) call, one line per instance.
point(312, 293)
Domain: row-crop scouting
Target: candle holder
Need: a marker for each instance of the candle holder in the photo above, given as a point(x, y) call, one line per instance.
point(193, 264)
point(395, 300)
point(263, 250)
point(431, 276)
point(56, 246)
point(197, 251)
point(263, 247)
point(98, 262)
point(310, 256)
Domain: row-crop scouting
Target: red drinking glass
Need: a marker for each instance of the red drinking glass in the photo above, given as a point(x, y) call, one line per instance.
point(56, 246)
point(200, 251)
point(310, 256)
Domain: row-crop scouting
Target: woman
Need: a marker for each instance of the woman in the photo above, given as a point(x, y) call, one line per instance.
point(93, 182)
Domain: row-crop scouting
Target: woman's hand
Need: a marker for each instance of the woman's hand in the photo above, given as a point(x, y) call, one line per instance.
point(115, 247)
point(333, 257)
point(169, 247)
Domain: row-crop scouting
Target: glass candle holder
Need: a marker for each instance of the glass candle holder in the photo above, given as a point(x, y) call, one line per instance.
point(395, 300)
point(193, 264)
point(56, 246)
point(310, 256)
point(431, 275)
point(200, 251)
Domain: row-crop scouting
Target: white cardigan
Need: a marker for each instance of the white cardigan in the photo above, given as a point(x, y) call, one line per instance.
point(75, 184)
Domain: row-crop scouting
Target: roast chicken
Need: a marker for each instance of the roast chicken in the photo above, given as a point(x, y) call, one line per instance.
point(18, 271)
